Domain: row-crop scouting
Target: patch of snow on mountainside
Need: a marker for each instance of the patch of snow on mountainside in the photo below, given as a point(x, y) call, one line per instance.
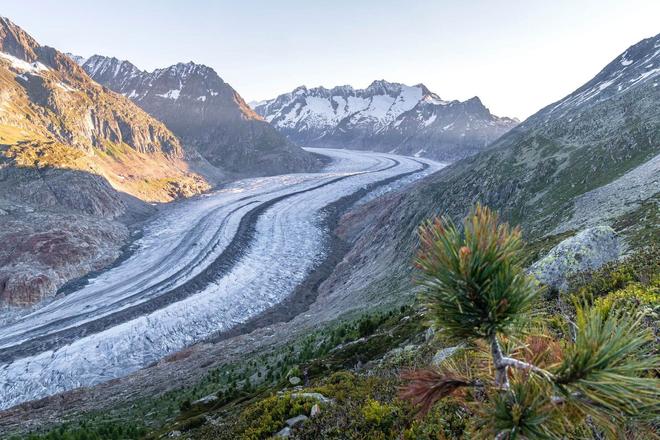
point(172, 94)
point(23, 66)
point(430, 120)
point(625, 61)
point(66, 87)
point(636, 65)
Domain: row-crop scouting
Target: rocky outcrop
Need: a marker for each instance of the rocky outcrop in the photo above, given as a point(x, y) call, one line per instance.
point(58, 225)
point(588, 250)
point(41, 252)
point(409, 120)
point(26, 189)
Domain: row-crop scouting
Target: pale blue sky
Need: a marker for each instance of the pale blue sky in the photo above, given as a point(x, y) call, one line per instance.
point(517, 56)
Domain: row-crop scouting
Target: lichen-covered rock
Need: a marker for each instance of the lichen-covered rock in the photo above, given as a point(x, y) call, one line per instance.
point(588, 250)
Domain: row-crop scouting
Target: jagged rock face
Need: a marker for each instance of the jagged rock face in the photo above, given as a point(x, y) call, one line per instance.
point(386, 117)
point(56, 86)
point(53, 114)
point(205, 112)
point(588, 250)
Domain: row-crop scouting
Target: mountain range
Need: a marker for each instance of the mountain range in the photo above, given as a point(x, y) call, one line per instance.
point(206, 113)
point(393, 117)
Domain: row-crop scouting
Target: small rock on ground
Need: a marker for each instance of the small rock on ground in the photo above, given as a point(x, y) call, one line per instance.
point(285, 432)
point(293, 421)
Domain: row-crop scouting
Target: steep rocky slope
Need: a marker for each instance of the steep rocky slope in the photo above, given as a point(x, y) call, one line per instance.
point(205, 112)
point(53, 114)
point(67, 146)
point(590, 159)
point(385, 117)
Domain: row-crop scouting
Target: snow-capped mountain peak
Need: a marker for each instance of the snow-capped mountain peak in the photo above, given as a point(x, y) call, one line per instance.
point(320, 108)
point(385, 115)
point(79, 60)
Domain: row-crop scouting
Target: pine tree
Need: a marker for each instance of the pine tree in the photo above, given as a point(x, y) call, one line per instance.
point(519, 380)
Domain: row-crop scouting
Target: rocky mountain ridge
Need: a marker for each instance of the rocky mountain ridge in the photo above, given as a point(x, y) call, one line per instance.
point(206, 113)
point(53, 114)
point(385, 116)
point(74, 159)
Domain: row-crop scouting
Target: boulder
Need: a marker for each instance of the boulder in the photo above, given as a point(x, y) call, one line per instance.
point(315, 411)
point(284, 432)
point(588, 250)
point(293, 421)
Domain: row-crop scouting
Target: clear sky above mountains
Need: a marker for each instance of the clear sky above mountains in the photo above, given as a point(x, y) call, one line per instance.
point(516, 56)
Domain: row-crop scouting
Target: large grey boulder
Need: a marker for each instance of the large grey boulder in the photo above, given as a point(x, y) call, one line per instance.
point(588, 250)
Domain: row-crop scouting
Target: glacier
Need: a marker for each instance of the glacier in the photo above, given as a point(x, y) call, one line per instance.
point(177, 246)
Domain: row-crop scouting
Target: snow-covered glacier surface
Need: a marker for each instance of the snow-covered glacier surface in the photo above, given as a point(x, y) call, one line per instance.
point(178, 245)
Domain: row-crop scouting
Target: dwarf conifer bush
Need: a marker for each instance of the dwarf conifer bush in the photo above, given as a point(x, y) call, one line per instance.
point(518, 379)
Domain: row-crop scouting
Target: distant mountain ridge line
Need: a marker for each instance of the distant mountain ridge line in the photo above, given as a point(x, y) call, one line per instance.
point(385, 116)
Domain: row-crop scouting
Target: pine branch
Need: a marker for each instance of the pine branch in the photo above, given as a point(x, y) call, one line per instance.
point(520, 365)
point(501, 376)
